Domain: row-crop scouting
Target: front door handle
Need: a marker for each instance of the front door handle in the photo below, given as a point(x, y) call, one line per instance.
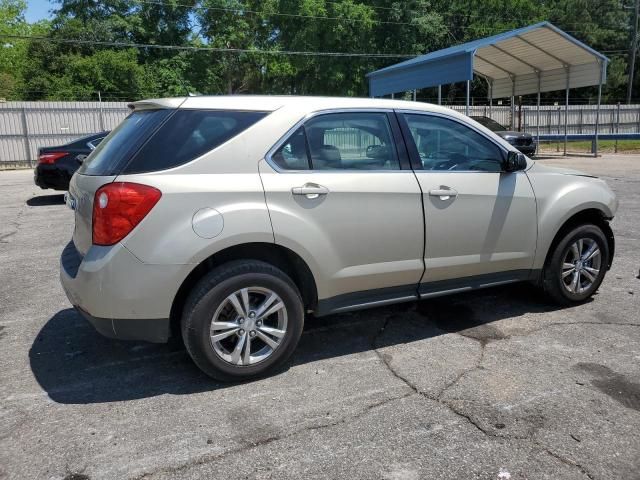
point(310, 190)
point(443, 193)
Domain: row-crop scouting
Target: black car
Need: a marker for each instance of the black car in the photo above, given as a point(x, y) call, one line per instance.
point(521, 140)
point(56, 165)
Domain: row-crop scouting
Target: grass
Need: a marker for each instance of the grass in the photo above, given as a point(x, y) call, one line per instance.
point(604, 146)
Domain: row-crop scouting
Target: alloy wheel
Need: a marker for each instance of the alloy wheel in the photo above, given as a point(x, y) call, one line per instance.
point(248, 326)
point(581, 265)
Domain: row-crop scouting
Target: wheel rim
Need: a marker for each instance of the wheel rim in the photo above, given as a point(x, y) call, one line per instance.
point(248, 326)
point(581, 265)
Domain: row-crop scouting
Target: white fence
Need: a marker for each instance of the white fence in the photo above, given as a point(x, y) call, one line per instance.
point(27, 126)
point(580, 118)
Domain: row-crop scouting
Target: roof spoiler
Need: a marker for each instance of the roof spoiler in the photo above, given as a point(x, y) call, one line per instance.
point(156, 103)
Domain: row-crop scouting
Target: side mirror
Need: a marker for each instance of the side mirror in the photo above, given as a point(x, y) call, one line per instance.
point(515, 161)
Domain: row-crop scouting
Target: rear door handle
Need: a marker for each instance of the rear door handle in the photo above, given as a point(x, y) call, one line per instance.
point(310, 190)
point(443, 193)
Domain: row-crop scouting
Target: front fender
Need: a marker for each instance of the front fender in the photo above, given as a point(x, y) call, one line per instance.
point(559, 197)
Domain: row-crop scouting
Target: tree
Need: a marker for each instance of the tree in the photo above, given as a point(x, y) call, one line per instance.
point(12, 51)
point(249, 46)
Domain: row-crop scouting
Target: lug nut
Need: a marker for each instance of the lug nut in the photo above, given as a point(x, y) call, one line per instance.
point(241, 332)
point(241, 321)
point(252, 314)
point(259, 323)
point(252, 333)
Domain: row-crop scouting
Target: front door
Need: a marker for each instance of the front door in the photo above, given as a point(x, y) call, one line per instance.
point(480, 222)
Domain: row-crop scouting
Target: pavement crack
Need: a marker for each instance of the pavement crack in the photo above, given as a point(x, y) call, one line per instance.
point(4, 237)
point(464, 373)
point(565, 460)
point(386, 361)
point(206, 459)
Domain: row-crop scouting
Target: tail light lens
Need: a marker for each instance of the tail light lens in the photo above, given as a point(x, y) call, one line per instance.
point(118, 208)
point(50, 158)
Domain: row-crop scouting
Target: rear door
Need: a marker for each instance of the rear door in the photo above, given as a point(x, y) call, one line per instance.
point(339, 188)
point(481, 222)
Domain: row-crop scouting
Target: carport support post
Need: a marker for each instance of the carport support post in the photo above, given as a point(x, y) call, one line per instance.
point(595, 143)
point(538, 115)
point(566, 108)
point(490, 98)
point(466, 110)
point(617, 125)
point(513, 104)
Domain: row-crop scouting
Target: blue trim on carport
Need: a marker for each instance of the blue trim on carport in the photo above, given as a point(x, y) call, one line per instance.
point(438, 72)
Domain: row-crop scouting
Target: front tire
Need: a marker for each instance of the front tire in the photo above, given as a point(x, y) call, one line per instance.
point(576, 267)
point(242, 320)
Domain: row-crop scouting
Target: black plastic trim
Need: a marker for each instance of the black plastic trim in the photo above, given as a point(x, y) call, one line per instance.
point(401, 147)
point(366, 299)
point(407, 293)
point(443, 287)
point(155, 330)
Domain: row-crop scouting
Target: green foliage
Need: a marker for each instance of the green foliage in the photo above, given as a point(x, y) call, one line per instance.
point(59, 69)
point(12, 52)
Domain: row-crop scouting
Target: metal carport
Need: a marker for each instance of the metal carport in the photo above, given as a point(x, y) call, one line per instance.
point(534, 59)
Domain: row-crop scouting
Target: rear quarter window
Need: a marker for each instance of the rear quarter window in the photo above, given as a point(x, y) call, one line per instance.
point(188, 134)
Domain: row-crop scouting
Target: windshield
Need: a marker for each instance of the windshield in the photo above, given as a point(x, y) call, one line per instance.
point(123, 142)
point(490, 124)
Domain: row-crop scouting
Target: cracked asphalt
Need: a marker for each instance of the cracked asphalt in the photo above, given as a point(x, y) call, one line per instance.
point(498, 384)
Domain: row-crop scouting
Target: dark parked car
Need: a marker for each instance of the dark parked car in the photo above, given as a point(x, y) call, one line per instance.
point(521, 140)
point(57, 164)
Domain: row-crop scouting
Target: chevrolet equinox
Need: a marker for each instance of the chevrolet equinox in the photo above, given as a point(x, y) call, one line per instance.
point(227, 219)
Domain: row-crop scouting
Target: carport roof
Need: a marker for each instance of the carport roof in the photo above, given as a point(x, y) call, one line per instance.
point(519, 62)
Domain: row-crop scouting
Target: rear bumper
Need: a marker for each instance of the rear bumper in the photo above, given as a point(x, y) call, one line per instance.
point(49, 176)
point(118, 294)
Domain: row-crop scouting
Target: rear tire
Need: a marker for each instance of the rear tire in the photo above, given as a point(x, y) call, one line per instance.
point(242, 320)
point(577, 265)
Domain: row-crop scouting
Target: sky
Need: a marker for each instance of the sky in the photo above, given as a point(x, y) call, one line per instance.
point(38, 10)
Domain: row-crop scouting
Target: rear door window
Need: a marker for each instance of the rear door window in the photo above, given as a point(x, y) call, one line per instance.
point(188, 134)
point(351, 141)
point(118, 147)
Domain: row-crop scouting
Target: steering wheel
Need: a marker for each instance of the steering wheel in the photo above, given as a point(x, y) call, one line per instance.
point(453, 161)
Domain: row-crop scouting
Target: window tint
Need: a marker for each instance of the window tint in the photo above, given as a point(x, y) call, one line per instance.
point(352, 141)
point(445, 144)
point(116, 149)
point(189, 134)
point(292, 155)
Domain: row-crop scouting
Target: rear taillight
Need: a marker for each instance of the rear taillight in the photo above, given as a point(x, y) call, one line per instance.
point(50, 158)
point(118, 208)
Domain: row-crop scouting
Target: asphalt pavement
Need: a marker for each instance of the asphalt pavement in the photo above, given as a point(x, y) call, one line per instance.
point(497, 384)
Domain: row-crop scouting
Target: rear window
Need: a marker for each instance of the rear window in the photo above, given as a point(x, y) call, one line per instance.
point(187, 134)
point(118, 147)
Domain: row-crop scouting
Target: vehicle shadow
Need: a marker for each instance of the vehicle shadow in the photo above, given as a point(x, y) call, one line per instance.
point(76, 365)
point(46, 200)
